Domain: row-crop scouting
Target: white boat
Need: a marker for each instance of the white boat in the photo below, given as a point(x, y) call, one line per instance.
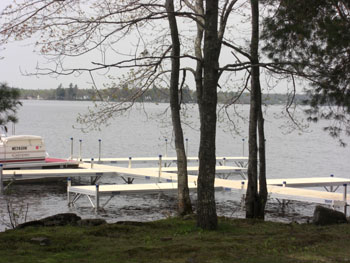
point(22, 149)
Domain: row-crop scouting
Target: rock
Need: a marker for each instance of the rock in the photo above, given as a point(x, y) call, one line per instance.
point(61, 219)
point(327, 216)
point(55, 220)
point(42, 241)
point(30, 223)
point(91, 222)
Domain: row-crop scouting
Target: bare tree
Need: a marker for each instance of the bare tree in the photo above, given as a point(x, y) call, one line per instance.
point(256, 198)
point(184, 203)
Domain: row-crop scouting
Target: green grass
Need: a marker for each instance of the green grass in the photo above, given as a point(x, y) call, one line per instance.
point(176, 240)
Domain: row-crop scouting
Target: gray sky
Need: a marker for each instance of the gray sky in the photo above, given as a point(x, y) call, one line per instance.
point(19, 60)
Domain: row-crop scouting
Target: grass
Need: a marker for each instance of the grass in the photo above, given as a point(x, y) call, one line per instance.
point(176, 240)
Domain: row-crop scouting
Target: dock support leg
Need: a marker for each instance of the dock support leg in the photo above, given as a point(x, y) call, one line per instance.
point(160, 167)
point(129, 166)
point(71, 148)
point(187, 153)
point(80, 150)
point(243, 195)
point(1, 180)
point(97, 198)
point(331, 187)
point(69, 184)
point(344, 198)
point(99, 150)
point(243, 146)
point(166, 147)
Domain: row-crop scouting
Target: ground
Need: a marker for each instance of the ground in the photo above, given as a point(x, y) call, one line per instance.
point(178, 240)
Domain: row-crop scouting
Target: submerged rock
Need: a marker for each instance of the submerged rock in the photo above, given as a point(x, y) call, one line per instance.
point(327, 216)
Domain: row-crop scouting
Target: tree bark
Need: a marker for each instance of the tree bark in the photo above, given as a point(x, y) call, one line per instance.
point(206, 207)
point(262, 164)
point(184, 201)
point(256, 195)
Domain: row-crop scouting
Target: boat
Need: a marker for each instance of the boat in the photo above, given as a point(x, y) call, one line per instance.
point(22, 149)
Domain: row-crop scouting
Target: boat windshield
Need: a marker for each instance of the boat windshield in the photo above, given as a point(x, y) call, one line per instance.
point(3, 131)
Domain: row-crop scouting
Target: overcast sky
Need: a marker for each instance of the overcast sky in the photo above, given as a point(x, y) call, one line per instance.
point(18, 59)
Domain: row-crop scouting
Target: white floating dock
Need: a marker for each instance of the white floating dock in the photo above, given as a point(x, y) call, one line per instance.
point(237, 160)
point(285, 188)
point(95, 191)
point(17, 175)
point(218, 169)
point(309, 182)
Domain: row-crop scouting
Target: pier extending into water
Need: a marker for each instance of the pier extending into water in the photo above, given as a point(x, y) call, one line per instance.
point(165, 175)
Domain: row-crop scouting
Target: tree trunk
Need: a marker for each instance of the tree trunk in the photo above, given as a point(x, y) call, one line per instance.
point(252, 189)
point(256, 198)
point(262, 164)
point(206, 207)
point(184, 201)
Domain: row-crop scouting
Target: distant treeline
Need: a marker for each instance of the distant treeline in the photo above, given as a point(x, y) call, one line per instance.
point(154, 94)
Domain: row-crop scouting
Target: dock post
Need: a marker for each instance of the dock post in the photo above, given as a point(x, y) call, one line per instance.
point(130, 158)
point(344, 198)
point(80, 148)
point(243, 146)
point(1, 180)
point(166, 147)
point(97, 198)
point(160, 167)
point(99, 150)
point(71, 148)
point(69, 184)
point(331, 187)
point(187, 154)
point(243, 195)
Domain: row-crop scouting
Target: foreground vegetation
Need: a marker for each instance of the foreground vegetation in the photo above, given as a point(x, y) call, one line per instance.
point(175, 240)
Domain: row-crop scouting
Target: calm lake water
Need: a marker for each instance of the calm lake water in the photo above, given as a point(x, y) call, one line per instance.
point(142, 132)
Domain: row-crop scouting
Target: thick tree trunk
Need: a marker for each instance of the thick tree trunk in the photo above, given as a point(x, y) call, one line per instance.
point(252, 189)
point(206, 207)
point(256, 198)
point(184, 201)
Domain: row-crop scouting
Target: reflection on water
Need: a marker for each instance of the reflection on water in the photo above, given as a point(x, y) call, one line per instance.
point(142, 132)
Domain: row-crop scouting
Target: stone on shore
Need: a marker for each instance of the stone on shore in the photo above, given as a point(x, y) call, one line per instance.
point(55, 220)
point(327, 216)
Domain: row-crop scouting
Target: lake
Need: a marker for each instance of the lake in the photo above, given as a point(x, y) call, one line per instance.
point(142, 132)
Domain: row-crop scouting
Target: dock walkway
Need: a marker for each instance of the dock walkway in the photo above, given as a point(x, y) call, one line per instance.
point(291, 189)
point(285, 188)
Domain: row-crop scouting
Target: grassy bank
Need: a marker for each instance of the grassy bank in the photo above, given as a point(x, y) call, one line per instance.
point(175, 240)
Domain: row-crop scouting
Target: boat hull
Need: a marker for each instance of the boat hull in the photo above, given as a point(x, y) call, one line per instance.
point(22, 149)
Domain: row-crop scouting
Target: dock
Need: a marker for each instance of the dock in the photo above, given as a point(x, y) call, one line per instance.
point(165, 180)
point(93, 192)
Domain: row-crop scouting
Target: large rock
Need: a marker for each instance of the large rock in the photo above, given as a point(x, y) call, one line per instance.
point(55, 220)
point(327, 216)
